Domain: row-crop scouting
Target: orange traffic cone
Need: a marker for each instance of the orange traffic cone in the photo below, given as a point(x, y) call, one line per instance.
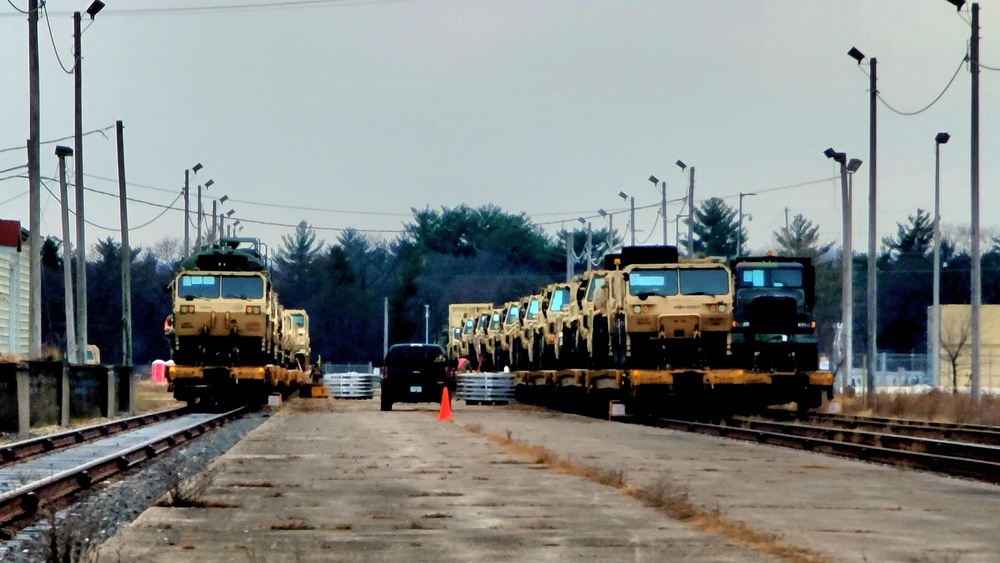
point(445, 412)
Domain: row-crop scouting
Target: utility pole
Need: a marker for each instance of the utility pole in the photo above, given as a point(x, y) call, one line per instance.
point(786, 221)
point(215, 223)
point(81, 244)
point(663, 210)
point(71, 353)
point(427, 323)
point(570, 269)
point(187, 220)
point(691, 215)
point(872, 274)
point(34, 191)
point(977, 287)
point(126, 253)
point(846, 268)
point(197, 242)
point(385, 329)
point(590, 247)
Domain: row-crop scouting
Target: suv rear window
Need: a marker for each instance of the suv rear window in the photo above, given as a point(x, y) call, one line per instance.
point(415, 355)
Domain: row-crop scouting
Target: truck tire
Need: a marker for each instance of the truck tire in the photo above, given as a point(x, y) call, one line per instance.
point(386, 403)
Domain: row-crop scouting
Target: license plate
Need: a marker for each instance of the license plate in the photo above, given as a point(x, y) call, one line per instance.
point(415, 389)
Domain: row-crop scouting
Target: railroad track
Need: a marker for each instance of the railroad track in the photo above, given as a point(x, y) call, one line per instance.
point(953, 455)
point(67, 469)
point(952, 431)
point(14, 452)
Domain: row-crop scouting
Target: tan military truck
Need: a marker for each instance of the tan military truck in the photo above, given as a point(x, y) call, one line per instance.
point(531, 316)
point(295, 338)
point(575, 325)
point(562, 316)
point(505, 336)
point(661, 313)
point(459, 315)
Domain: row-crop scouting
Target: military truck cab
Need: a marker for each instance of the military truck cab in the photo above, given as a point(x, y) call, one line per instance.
point(773, 324)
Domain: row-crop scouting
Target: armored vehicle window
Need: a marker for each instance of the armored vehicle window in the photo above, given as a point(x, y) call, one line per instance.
point(714, 281)
point(595, 284)
point(511, 314)
point(532, 309)
point(652, 282)
point(300, 320)
point(242, 287)
point(199, 286)
point(771, 277)
point(495, 321)
point(560, 298)
point(469, 325)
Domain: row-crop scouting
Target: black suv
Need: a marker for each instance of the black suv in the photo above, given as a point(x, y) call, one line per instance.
point(415, 373)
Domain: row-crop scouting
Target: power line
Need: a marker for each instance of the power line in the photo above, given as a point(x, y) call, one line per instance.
point(244, 7)
point(48, 24)
point(21, 147)
point(934, 101)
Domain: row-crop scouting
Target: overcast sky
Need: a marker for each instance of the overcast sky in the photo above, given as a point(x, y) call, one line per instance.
point(353, 112)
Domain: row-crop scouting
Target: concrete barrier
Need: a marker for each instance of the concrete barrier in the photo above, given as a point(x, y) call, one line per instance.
point(34, 394)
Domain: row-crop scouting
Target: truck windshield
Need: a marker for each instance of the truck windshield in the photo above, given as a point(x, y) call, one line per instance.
point(511, 315)
point(595, 284)
point(709, 281)
point(495, 321)
point(242, 287)
point(652, 282)
point(560, 298)
point(191, 287)
point(300, 320)
point(532, 309)
point(771, 277)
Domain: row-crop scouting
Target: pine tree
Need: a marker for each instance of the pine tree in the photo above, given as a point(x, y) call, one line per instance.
point(801, 239)
point(916, 237)
point(715, 229)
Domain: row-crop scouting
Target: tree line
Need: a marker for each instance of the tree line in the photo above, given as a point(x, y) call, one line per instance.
point(485, 254)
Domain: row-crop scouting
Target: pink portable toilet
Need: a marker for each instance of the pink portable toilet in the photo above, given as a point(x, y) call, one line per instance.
point(159, 371)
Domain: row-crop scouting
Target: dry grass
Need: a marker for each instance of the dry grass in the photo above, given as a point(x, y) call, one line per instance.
point(665, 495)
point(151, 397)
point(293, 524)
point(933, 405)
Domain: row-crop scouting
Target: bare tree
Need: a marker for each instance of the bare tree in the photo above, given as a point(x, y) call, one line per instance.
point(954, 338)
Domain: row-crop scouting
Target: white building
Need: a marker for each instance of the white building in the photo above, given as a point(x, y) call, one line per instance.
point(14, 286)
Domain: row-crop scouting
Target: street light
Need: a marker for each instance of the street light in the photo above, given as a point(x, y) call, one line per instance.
point(187, 206)
point(872, 355)
point(81, 246)
point(939, 140)
point(663, 205)
point(626, 197)
point(588, 248)
point(739, 231)
point(611, 228)
point(976, 290)
point(690, 203)
point(71, 354)
point(223, 199)
point(846, 268)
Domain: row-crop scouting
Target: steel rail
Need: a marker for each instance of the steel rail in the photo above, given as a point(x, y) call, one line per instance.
point(954, 432)
point(967, 460)
point(27, 499)
point(33, 447)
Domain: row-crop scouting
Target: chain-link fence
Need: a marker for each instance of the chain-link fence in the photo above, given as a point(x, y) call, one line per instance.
point(910, 370)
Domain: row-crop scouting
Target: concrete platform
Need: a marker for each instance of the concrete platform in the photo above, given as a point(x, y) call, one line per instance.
point(339, 480)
